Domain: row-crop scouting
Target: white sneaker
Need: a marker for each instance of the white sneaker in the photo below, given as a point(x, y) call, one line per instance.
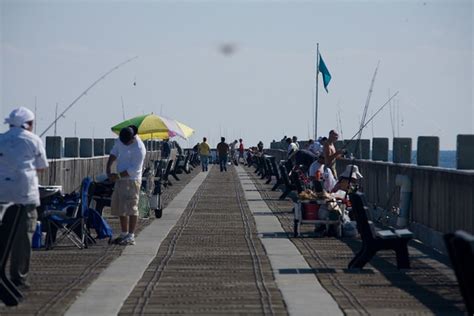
point(128, 241)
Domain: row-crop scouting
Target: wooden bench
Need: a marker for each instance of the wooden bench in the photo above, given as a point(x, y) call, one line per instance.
point(164, 175)
point(175, 168)
point(460, 246)
point(373, 240)
point(276, 173)
point(291, 184)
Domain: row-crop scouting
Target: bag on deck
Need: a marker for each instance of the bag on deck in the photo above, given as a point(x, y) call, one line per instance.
point(100, 225)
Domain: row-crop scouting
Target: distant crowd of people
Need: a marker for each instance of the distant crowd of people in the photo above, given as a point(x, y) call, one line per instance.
point(319, 161)
point(233, 153)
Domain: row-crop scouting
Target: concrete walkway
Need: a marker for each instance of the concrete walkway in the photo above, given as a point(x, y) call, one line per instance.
point(124, 289)
point(303, 294)
point(105, 296)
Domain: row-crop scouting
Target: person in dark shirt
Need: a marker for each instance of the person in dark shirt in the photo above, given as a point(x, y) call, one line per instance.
point(166, 149)
point(223, 152)
point(304, 157)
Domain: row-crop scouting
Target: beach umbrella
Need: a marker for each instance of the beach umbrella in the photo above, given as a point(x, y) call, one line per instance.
point(187, 131)
point(153, 126)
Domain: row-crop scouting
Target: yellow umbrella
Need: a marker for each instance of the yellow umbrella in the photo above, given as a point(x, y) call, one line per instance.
point(187, 131)
point(151, 126)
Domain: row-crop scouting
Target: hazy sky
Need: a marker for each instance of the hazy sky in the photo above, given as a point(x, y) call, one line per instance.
point(53, 50)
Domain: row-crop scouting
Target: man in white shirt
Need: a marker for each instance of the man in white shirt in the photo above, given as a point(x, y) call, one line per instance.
point(129, 152)
point(22, 155)
point(292, 148)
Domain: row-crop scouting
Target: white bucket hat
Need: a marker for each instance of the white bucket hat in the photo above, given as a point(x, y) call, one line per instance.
point(355, 172)
point(18, 117)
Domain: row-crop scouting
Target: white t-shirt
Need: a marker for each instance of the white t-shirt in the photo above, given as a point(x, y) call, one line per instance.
point(292, 148)
point(21, 153)
point(130, 158)
point(316, 148)
point(329, 180)
point(315, 166)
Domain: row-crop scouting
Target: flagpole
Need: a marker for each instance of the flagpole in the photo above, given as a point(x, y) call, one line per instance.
point(316, 96)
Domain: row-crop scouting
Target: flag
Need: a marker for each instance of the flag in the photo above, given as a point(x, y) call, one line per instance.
point(325, 72)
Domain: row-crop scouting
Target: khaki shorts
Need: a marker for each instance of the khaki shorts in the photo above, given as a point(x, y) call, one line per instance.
point(125, 198)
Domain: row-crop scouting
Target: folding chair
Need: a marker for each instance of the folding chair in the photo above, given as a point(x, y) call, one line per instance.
point(70, 220)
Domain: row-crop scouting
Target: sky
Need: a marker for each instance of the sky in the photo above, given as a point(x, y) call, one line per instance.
point(264, 88)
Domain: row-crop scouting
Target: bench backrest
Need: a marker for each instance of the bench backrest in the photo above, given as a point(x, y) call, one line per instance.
point(284, 175)
point(274, 168)
point(360, 214)
point(168, 169)
point(268, 165)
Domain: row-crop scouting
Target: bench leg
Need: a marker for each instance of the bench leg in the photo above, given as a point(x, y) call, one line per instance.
point(403, 259)
point(277, 184)
point(361, 259)
point(284, 194)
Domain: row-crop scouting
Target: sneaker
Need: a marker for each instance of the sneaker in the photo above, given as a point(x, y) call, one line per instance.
point(128, 241)
point(119, 239)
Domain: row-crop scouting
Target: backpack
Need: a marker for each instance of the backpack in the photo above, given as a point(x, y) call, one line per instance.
point(102, 228)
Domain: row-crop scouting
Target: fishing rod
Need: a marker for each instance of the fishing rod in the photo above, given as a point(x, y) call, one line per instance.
point(85, 92)
point(369, 95)
point(369, 120)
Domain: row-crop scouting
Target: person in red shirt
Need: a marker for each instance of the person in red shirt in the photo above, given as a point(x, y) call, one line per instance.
point(241, 150)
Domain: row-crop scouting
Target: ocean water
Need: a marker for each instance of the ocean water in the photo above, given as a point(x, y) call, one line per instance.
point(447, 158)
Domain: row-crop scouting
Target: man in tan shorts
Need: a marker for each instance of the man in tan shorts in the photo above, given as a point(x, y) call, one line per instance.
point(129, 152)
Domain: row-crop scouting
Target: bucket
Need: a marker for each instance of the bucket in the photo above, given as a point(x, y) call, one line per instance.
point(310, 211)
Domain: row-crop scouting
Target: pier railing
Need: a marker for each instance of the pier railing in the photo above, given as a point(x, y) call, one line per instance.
point(69, 172)
point(442, 199)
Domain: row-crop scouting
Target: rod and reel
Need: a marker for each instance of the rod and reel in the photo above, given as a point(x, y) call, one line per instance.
point(61, 115)
point(368, 121)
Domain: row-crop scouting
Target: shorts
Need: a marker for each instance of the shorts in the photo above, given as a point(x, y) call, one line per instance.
point(125, 197)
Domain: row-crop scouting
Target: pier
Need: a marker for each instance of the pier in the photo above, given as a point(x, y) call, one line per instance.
point(225, 245)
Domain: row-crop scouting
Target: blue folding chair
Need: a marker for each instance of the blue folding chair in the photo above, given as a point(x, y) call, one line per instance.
point(70, 220)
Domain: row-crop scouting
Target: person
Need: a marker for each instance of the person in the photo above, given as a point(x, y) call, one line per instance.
point(222, 152)
point(292, 148)
point(330, 152)
point(295, 141)
point(196, 148)
point(241, 150)
point(304, 157)
point(349, 179)
point(129, 152)
point(166, 149)
point(178, 148)
point(260, 147)
point(22, 156)
point(204, 151)
point(316, 147)
point(232, 150)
